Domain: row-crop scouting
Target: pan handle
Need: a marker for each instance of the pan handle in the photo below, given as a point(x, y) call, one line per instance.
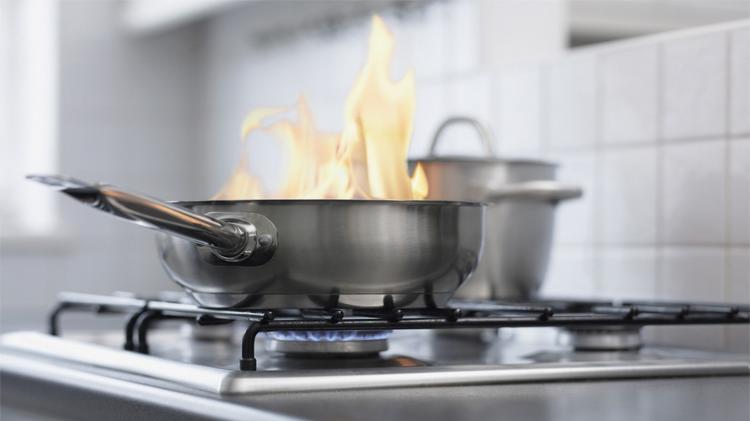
point(231, 241)
point(485, 136)
point(548, 190)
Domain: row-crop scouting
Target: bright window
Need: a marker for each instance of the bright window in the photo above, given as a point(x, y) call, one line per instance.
point(28, 114)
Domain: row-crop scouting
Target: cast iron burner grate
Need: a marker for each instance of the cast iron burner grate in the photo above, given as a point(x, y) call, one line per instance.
point(142, 313)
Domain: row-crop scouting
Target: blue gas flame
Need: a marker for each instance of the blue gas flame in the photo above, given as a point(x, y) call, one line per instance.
point(330, 335)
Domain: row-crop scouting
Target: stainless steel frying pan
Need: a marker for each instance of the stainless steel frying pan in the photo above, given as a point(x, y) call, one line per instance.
point(303, 253)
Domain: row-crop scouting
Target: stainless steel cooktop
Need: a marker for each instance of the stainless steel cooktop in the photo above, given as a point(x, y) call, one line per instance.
point(413, 358)
point(170, 359)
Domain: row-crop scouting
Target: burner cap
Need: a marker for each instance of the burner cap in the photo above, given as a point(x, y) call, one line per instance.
point(333, 343)
point(605, 338)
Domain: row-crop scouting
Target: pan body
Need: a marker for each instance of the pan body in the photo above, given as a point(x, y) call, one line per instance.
point(336, 253)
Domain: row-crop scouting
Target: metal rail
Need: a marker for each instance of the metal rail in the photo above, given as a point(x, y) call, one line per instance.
point(462, 314)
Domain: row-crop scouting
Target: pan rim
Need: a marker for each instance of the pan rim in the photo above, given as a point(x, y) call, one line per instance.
point(328, 202)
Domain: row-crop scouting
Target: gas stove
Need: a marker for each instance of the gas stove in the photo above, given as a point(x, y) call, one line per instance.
point(231, 354)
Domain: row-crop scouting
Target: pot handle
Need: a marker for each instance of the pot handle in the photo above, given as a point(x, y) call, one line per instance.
point(233, 241)
point(548, 190)
point(485, 136)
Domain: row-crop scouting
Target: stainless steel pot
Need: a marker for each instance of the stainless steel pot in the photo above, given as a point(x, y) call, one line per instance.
point(522, 196)
point(303, 253)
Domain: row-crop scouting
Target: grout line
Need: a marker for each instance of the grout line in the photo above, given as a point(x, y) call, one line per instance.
point(541, 84)
point(494, 86)
point(613, 146)
point(599, 213)
point(660, 139)
point(693, 139)
point(544, 111)
point(727, 173)
point(659, 202)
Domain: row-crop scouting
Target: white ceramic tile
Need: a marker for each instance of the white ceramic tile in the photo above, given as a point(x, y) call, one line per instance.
point(571, 273)
point(522, 31)
point(575, 219)
point(691, 274)
point(628, 192)
point(466, 96)
point(428, 52)
point(570, 95)
point(628, 273)
point(630, 94)
point(740, 82)
point(694, 89)
point(469, 95)
point(404, 34)
point(429, 112)
point(738, 291)
point(693, 193)
point(461, 36)
point(739, 191)
point(518, 111)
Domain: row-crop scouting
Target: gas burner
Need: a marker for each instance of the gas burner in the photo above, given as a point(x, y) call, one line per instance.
point(605, 338)
point(283, 362)
point(328, 343)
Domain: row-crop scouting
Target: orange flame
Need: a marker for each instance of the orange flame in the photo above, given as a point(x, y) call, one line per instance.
point(367, 160)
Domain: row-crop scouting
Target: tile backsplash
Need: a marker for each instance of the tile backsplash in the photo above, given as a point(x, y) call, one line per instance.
point(630, 95)
point(666, 172)
point(694, 86)
point(655, 129)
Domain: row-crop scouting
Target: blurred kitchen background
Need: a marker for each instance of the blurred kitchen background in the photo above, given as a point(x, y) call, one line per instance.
point(645, 103)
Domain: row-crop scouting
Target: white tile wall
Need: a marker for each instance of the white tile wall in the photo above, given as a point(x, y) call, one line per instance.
point(738, 288)
point(518, 111)
point(628, 273)
point(572, 81)
point(738, 291)
point(461, 36)
point(514, 31)
point(575, 224)
point(739, 191)
point(416, 42)
point(692, 274)
point(628, 189)
point(469, 94)
point(740, 82)
point(630, 94)
point(694, 88)
point(571, 273)
point(694, 193)
point(665, 163)
point(466, 95)
point(428, 114)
